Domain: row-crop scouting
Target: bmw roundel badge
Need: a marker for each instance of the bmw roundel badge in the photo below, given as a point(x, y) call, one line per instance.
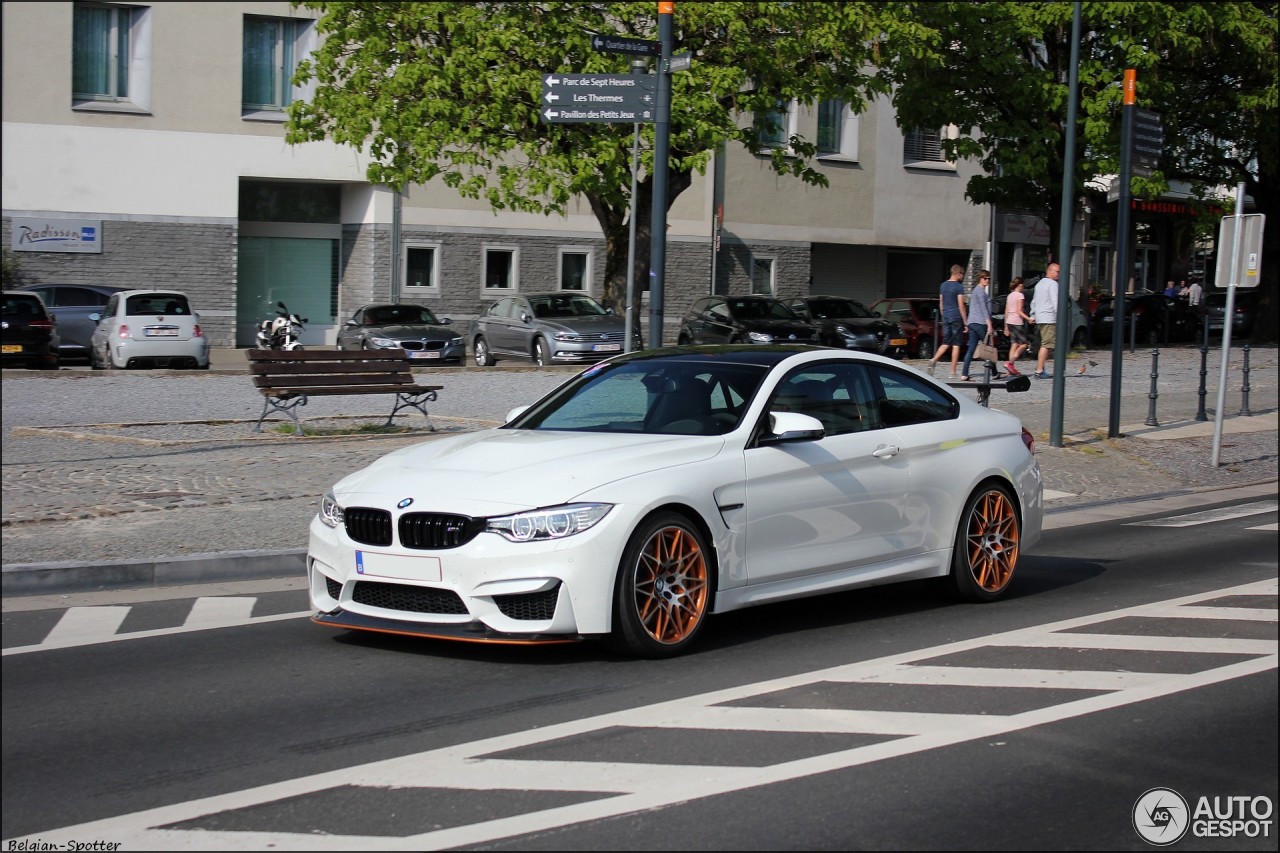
point(404, 503)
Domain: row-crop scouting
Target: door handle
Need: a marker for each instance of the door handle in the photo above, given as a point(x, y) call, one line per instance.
point(886, 451)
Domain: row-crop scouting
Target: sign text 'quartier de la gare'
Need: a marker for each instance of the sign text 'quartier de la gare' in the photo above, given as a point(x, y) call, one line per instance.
point(599, 98)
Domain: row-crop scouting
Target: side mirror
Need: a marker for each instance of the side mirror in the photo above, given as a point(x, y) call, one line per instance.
point(1021, 382)
point(280, 305)
point(350, 324)
point(786, 427)
point(524, 317)
point(515, 413)
point(445, 321)
point(95, 317)
point(608, 310)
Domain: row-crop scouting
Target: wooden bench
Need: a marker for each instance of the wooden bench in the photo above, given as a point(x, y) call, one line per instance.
point(287, 379)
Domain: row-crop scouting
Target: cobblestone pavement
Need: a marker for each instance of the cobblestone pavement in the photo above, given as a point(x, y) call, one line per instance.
point(155, 465)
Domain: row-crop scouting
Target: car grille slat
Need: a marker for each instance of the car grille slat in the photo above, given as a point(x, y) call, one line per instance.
point(368, 526)
point(409, 599)
point(529, 606)
point(429, 531)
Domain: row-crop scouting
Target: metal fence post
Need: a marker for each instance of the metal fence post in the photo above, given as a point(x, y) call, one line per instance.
point(1204, 371)
point(1244, 405)
point(1151, 407)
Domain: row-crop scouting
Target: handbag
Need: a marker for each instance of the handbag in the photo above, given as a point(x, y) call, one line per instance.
point(986, 351)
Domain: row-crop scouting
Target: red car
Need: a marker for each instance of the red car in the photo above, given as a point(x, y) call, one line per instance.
point(914, 315)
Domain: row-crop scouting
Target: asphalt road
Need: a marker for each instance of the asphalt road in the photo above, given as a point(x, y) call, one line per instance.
point(1131, 658)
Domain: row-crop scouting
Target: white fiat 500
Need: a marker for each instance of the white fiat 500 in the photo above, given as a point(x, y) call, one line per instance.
point(148, 328)
point(656, 488)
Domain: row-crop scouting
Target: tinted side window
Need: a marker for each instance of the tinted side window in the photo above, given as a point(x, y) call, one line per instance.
point(79, 296)
point(906, 399)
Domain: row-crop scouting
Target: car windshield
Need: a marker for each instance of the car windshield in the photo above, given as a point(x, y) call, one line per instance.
point(156, 303)
point(760, 309)
point(407, 315)
point(663, 397)
point(566, 305)
point(834, 308)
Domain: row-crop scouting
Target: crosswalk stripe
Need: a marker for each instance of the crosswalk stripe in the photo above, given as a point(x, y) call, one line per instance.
point(1271, 527)
point(1208, 516)
point(80, 625)
point(71, 641)
point(221, 610)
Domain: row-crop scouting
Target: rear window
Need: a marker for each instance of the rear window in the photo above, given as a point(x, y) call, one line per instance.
point(22, 305)
point(156, 303)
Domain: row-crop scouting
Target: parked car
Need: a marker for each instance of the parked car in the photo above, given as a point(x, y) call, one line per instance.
point(743, 320)
point(412, 328)
point(1159, 319)
point(848, 324)
point(148, 328)
point(71, 305)
point(914, 316)
point(1243, 312)
point(560, 327)
point(661, 487)
point(28, 332)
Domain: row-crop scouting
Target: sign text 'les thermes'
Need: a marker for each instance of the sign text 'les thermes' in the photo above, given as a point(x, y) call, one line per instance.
point(598, 98)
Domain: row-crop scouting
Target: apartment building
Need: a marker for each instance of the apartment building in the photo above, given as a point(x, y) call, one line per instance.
point(143, 145)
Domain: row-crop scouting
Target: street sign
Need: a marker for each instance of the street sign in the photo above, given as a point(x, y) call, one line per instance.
point(680, 62)
point(1148, 141)
point(625, 44)
point(1249, 265)
point(577, 98)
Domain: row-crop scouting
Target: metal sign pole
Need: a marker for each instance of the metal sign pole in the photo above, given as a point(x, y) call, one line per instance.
point(661, 150)
point(1227, 317)
point(1122, 253)
point(637, 67)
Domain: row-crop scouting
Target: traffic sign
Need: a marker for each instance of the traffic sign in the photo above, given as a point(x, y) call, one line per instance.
point(1148, 141)
point(625, 44)
point(1248, 266)
point(576, 98)
point(680, 62)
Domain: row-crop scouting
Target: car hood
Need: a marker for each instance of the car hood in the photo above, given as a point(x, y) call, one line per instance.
point(597, 325)
point(872, 324)
point(505, 470)
point(399, 330)
point(777, 328)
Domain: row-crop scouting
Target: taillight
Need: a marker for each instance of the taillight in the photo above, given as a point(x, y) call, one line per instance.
point(1029, 440)
point(197, 333)
point(40, 324)
point(124, 331)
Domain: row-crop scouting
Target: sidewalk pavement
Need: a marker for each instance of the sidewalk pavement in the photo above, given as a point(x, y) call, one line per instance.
point(92, 506)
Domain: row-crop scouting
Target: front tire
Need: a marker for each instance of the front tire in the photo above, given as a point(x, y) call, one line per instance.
point(541, 353)
point(483, 357)
point(986, 546)
point(663, 591)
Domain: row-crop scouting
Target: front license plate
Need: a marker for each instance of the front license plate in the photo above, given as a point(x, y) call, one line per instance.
point(397, 566)
point(161, 333)
point(897, 342)
point(12, 347)
point(606, 348)
point(432, 354)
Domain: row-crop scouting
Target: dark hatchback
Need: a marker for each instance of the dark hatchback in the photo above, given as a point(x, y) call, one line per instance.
point(412, 328)
point(1244, 310)
point(848, 324)
point(28, 332)
point(71, 305)
point(1159, 319)
point(743, 320)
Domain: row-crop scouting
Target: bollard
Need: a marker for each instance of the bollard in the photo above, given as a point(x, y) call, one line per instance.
point(1155, 371)
point(1244, 406)
point(1133, 331)
point(1204, 371)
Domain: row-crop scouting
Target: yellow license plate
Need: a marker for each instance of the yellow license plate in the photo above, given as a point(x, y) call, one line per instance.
point(897, 342)
point(12, 348)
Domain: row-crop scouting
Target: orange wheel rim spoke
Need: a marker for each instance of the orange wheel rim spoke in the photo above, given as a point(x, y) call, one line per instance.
point(671, 585)
point(992, 541)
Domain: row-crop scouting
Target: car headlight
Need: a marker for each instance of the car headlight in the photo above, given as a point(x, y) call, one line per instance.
point(565, 336)
point(760, 337)
point(455, 342)
point(330, 512)
point(385, 342)
point(555, 522)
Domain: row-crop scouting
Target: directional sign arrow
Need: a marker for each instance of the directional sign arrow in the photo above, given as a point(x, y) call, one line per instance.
point(624, 44)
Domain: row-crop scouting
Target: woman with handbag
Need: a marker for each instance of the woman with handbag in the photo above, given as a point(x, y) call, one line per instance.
point(981, 330)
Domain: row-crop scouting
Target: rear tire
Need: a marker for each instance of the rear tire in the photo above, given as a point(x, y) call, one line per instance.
point(986, 546)
point(663, 592)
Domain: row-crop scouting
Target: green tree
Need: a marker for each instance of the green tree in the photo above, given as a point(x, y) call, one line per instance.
point(452, 90)
point(1000, 72)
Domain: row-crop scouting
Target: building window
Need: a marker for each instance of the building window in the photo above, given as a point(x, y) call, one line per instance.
point(500, 269)
point(420, 266)
point(575, 270)
point(110, 55)
point(837, 131)
point(774, 126)
point(272, 47)
point(762, 276)
point(923, 146)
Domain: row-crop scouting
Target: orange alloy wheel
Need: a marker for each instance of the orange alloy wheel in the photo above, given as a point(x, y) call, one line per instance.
point(992, 541)
point(671, 585)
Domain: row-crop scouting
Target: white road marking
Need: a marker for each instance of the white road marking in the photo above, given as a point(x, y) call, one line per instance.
point(1052, 495)
point(219, 612)
point(82, 625)
point(1271, 527)
point(1210, 515)
point(641, 787)
point(68, 640)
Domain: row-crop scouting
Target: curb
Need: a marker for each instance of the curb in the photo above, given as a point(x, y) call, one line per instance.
point(76, 576)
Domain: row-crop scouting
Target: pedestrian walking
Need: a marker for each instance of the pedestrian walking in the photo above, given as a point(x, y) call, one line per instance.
point(951, 306)
point(1016, 320)
point(979, 321)
point(1044, 313)
point(1195, 297)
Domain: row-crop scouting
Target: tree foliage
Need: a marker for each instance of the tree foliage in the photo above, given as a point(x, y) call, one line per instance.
point(452, 91)
point(1000, 72)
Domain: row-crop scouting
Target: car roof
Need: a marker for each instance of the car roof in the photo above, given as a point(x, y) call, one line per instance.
point(766, 355)
point(101, 288)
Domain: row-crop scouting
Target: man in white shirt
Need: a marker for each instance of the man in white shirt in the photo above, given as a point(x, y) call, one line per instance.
point(1044, 313)
point(1195, 297)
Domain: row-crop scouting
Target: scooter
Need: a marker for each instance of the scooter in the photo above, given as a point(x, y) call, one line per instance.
point(282, 331)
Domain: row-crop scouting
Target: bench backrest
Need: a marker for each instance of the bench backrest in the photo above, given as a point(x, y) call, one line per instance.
point(317, 371)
